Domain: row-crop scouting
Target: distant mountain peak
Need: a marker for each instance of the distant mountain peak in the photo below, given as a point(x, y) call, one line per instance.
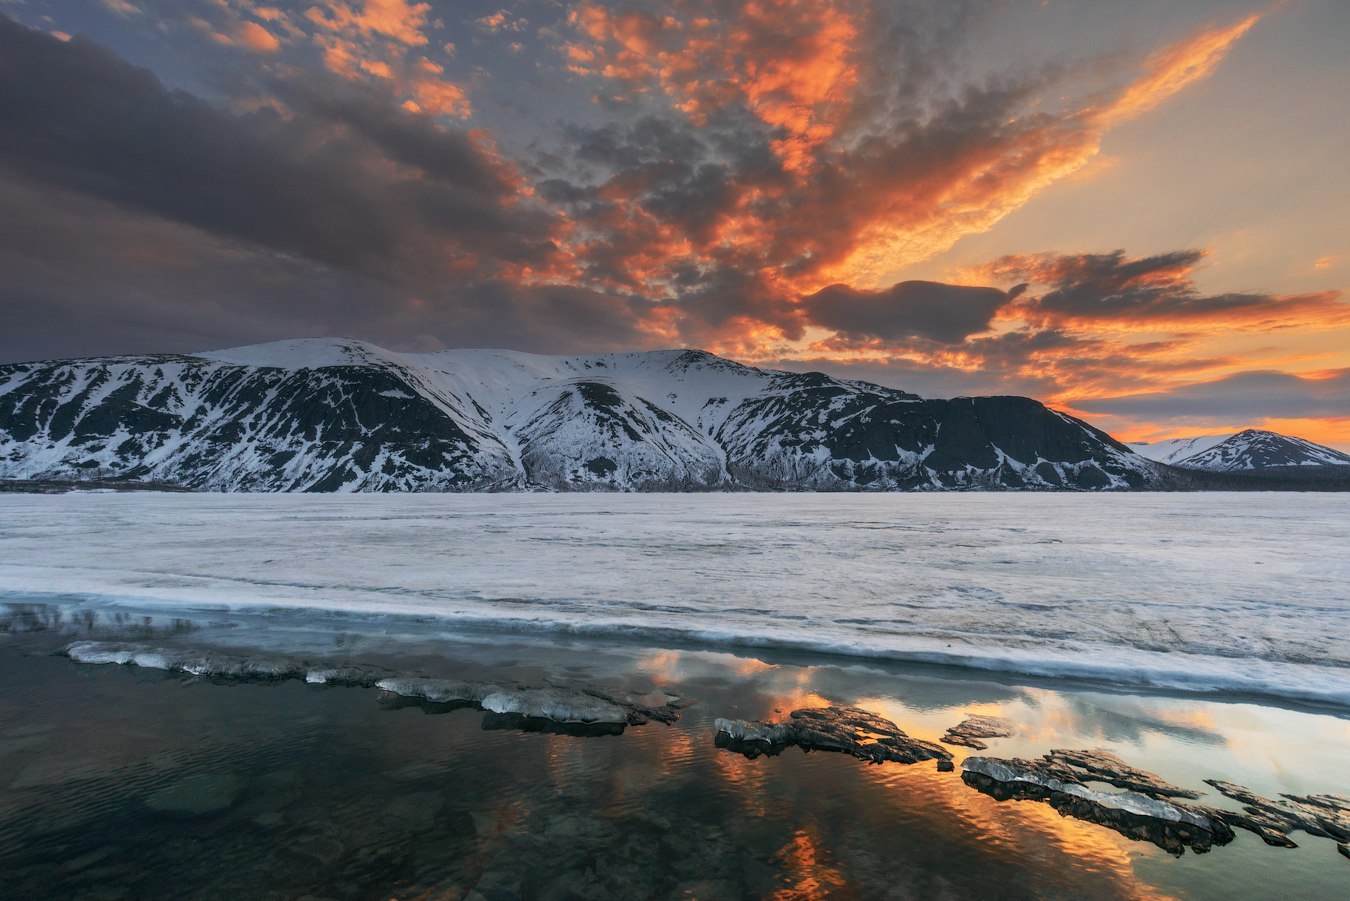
point(1249, 449)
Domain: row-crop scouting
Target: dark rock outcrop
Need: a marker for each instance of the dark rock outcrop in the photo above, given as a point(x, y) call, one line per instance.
point(1061, 783)
point(1173, 836)
point(1327, 816)
point(1103, 766)
point(846, 730)
point(975, 727)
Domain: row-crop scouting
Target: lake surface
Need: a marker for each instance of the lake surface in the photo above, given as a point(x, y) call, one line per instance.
point(1197, 636)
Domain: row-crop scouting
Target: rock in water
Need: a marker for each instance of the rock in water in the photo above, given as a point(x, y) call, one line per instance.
point(1169, 824)
point(581, 706)
point(846, 730)
point(1103, 766)
point(507, 704)
point(975, 727)
point(1327, 816)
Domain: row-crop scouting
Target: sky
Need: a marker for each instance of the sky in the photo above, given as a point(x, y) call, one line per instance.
point(1136, 212)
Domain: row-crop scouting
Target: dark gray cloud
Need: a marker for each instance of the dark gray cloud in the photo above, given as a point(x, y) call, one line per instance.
point(915, 309)
point(134, 218)
point(1110, 286)
point(345, 178)
point(1246, 396)
point(85, 277)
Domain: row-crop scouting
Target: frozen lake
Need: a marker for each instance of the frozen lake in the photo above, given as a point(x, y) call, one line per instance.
point(1246, 593)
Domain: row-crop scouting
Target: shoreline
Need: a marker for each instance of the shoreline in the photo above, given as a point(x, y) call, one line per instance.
point(1236, 593)
point(251, 618)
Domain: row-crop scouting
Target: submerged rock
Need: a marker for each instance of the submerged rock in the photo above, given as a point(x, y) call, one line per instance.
point(1169, 824)
point(517, 722)
point(846, 730)
point(196, 795)
point(1327, 816)
point(975, 727)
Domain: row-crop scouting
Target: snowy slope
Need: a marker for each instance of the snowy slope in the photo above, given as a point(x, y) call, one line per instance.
point(1174, 450)
point(339, 414)
point(1259, 449)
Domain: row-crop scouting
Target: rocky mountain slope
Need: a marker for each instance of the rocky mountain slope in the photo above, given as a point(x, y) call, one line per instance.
point(1250, 449)
point(342, 415)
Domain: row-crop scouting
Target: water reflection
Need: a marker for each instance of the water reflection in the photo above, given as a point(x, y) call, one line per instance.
point(296, 789)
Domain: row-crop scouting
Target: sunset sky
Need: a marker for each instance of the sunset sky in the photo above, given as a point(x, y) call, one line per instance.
point(1137, 212)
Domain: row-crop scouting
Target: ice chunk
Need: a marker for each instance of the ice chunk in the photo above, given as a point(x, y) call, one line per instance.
point(558, 704)
point(745, 730)
point(438, 691)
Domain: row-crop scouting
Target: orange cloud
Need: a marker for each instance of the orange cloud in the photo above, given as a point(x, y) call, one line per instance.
point(441, 98)
point(255, 37)
point(789, 61)
point(502, 20)
point(1176, 68)
point(397, 20)
point(857, 194)
point(985, 187)
point(374, 38)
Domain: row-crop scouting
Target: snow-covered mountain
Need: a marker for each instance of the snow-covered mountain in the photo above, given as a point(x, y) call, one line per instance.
point(343, 415)
point(1253, 449)
point(1174, 450)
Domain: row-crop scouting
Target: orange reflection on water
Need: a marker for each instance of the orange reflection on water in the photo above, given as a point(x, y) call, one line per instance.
point(808, 867)
point(1015, 830)
point(662, 667)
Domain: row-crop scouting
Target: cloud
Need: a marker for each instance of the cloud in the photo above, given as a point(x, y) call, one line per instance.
point(913, 309)
point(255, 37)
point(122, 7)
point(920, 377)
point(347, 180)
point(502, 21)
point(84, 276)
point(1148, 292)
point(397, 20)
point(806, 144)
point(1245, 396)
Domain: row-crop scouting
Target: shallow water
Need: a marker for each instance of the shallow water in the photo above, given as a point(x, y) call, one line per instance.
point(1233, 592)
point(123, 782)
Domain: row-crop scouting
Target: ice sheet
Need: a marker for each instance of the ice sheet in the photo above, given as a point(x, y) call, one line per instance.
point(1233, 592)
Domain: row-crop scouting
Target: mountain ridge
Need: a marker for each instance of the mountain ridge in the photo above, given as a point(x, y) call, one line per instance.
point(341, 414)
